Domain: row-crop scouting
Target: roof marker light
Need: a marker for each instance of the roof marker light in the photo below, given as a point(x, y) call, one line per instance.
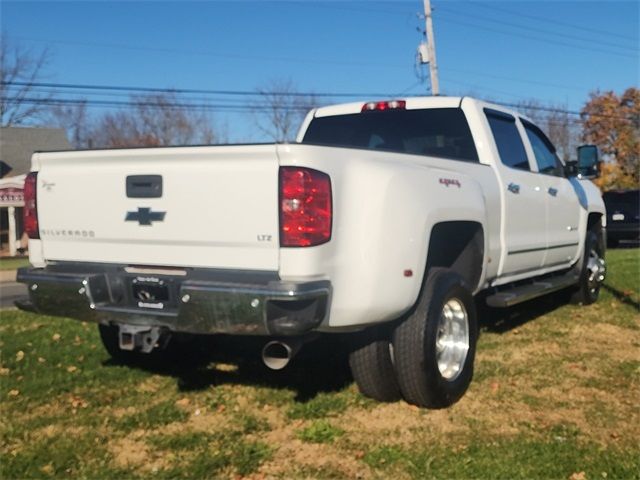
point(382, 106)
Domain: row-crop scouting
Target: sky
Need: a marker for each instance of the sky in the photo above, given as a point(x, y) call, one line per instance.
point(553, 51)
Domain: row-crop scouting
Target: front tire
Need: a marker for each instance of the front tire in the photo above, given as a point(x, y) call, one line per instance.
point(593, 272)
point(434, 347)
point(372, 366)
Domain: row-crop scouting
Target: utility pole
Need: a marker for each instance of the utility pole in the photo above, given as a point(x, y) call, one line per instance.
point(431, 49)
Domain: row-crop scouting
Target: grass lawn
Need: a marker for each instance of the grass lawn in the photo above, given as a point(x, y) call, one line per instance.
point(555, 395)
point(13, 263)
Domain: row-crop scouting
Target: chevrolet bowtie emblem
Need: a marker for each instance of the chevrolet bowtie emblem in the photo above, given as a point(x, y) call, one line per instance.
point(144, 216)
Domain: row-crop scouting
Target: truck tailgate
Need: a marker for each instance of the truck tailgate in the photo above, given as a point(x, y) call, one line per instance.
point(218, 207)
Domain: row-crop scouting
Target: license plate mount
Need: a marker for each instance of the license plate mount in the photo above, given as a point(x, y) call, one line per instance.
point(150, 292)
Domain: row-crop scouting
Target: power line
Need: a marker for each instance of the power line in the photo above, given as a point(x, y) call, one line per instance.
point(560, 110)
point(555, 22)
point(237, 107)
point(191, 90)
point(437, 7)
point(518, 80)
point(253, 108)
point(472, 86)
point(534, 29)
point(128, 90)
point(539, 39)
point(237, 56)
point(104, 90)
point(162, 50)
point(117, 103)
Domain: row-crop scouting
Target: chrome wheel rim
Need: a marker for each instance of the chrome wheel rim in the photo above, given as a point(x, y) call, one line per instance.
point(596, 270)
point(452, 342)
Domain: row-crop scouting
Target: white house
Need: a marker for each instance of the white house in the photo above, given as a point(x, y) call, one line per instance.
point(17, 144)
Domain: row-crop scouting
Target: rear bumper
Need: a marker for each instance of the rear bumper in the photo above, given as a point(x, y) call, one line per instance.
point(202, 302)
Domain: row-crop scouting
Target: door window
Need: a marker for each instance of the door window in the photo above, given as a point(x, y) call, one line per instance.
point(508, 140)
point(544, 151)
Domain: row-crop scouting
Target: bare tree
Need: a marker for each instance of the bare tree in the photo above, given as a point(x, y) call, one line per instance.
point(21, 103)
point(154, 120)
point(75, 121)
point(281, 109)
point(562, 130)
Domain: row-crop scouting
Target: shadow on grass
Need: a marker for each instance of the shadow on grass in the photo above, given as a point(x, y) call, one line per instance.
point(622, 297)
point(502, 320)
point(320, 367)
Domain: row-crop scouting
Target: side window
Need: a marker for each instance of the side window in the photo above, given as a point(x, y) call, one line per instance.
point(508, 140)
point(543, 150)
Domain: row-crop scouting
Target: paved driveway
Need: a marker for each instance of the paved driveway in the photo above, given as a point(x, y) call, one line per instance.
point(10, 290)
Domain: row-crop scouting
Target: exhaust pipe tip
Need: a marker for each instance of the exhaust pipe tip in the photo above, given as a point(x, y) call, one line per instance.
point(277, 355)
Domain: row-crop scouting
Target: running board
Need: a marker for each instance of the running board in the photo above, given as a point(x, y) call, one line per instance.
point(529, 291)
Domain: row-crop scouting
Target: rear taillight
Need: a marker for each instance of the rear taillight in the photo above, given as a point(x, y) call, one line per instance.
point(30, 215)
point(305, 207)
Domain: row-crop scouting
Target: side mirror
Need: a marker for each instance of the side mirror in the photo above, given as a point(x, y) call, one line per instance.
point(588, 161)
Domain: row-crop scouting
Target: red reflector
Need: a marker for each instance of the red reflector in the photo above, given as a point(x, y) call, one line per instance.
point(30, 212)
point(305, 207)
point(382, 106)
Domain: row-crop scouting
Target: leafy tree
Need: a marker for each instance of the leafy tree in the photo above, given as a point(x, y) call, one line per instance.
point(613, 123)
point(612, 177)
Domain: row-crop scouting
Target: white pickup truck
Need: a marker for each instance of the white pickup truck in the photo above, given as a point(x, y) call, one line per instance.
point(387, 218)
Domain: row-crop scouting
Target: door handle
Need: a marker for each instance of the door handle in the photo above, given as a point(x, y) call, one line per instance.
point(514, 188)
point(552, 191)
point(144, 186)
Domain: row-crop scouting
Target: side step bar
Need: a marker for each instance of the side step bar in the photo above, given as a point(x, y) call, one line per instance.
point(529, 291)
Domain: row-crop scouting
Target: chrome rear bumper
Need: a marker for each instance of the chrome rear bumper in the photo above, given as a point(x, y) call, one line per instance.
point(205, 302)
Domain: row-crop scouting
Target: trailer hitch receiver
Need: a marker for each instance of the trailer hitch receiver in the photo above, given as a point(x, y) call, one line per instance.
point(141, 338)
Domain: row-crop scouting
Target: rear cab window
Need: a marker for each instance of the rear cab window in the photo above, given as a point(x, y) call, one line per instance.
point(437, 132)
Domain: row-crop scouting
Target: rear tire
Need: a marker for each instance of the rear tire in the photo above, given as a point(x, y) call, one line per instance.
point(593, 272)
point(434, 347)
point(372, 366)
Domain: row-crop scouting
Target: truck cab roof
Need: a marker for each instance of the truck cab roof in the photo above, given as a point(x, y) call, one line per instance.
point(402, 103)
point(411, 103)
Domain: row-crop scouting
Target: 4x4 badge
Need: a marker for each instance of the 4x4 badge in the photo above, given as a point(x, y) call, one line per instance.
point(144, 216)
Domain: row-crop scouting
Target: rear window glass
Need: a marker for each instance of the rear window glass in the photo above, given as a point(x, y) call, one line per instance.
point(438, 132)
